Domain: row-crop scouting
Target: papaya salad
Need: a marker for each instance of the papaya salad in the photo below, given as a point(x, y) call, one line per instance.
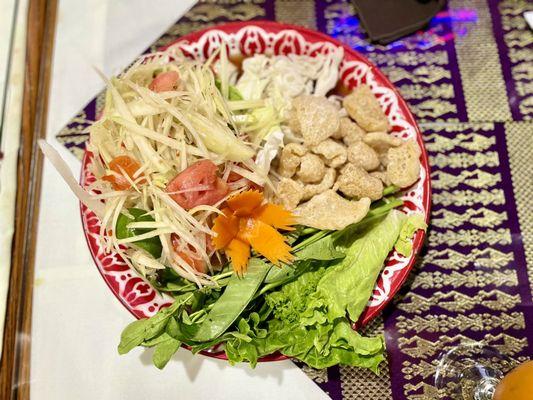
point(253, 195)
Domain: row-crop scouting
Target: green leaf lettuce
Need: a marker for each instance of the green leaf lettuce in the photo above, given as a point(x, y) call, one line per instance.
point(348, 285)
point(404, 244)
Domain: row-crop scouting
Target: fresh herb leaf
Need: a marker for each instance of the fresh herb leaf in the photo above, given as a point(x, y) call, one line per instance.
point(155, 341)
point(151, 245)
point(280, 273)
point(164, 351)
point(300, 310)
point(132, 336)
point(323, 249)
point(180, 330)
point(148, 328)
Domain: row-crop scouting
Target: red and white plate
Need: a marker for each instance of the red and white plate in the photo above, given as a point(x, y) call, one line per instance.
point(271, 38)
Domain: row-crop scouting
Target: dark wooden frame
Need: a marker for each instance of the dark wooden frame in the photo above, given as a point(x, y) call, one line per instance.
point(15, 362)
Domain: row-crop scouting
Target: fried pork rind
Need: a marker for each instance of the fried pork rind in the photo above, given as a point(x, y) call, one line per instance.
point(292, 121)
point(312, 169)
point(364, 108)
point(363, 156)
point(412, 145)
point(382, 176)
point(355, 182)
point(317, 117)
point(337, 135)
point(329, 210)
point(381, 142)
point(289, 193)
point(327, 182)
point(350, 132)
point(403, 168)
point(333, 152)
point(290, 159)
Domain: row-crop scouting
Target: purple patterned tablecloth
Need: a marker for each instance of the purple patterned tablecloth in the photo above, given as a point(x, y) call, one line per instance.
point(468, 78)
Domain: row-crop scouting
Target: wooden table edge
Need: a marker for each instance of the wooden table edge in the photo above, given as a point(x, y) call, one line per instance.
point(15, 362)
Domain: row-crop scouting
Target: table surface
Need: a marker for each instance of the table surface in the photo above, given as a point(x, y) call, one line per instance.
point(468, 81)
point(76, 323)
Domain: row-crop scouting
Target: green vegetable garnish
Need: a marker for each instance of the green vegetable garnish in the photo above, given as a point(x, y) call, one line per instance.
point(151, 245)
point(404, 245)
point(348, 285)
point(303, 310)
point(235, 298)
point(233, 92)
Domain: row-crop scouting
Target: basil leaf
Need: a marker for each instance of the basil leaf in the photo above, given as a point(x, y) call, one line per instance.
point(279, 273)
point(151, 245)
point(148, 328)
point(323, 249)
point(181, 331)
point(132, 336)
point(155, 341)
point(233, 301)
point(141, 330)
point(164, 351)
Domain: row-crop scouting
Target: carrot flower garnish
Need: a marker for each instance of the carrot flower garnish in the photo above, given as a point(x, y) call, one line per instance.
point(248, 223)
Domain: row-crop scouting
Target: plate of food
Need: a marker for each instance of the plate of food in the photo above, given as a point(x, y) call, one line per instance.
point(254, 191)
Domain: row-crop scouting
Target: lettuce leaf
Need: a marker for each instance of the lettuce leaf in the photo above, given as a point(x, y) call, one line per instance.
point(404, 244)
point(323, 249)
point(300, 328)
point(303, 310)
point(309, 314)
point(348, 285)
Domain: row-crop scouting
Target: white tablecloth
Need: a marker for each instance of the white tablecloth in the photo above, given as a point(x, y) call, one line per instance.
point(76, 320)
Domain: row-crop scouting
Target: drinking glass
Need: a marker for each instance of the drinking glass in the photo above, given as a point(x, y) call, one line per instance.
point(475, 371)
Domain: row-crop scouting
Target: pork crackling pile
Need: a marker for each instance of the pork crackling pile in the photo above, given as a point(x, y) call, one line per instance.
point(340, 158)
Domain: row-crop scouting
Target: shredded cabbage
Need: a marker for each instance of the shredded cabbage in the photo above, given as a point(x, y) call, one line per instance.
point(165, 132)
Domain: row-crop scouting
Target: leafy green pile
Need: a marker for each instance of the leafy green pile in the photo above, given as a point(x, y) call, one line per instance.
point(303, 310)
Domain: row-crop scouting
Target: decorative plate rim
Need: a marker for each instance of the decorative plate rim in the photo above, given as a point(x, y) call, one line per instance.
point(371, 311)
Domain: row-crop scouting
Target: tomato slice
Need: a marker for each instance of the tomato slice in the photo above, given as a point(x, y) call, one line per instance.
point(234, 177)
point(121, 165)
point(197, 185)
point(196, 262)
point(165, 82)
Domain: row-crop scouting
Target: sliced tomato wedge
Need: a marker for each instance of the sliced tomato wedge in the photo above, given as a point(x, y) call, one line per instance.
point(165, 82)
point(121, 165)
point(196, 262)
point(197, 185)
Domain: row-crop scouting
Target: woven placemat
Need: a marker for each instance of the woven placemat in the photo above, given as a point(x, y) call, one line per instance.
point(468, 78)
